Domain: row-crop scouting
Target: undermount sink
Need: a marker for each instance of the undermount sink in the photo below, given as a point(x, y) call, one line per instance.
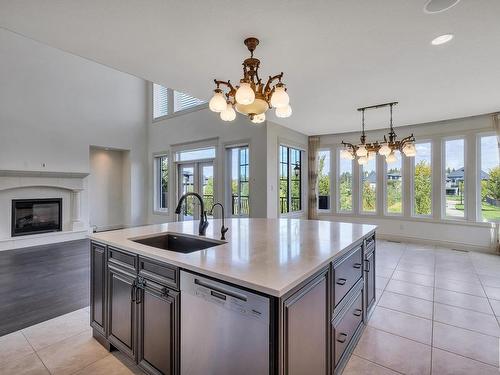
point(179, 243)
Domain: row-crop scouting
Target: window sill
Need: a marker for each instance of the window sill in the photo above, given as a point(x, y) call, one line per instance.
point(179, 113)
point(161, 212)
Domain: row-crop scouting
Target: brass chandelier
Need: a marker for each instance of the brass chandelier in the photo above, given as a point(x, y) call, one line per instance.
point(367, 151)
point(251, 97)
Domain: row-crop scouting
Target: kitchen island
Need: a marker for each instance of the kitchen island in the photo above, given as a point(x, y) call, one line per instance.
point(278, 296)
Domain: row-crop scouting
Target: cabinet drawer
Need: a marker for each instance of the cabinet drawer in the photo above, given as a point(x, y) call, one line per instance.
point(162, 273)
point(370, 244)
point(346, 273)
point(345, 326)
point(122, 258)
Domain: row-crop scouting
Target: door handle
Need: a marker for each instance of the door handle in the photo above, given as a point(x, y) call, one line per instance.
point(357, 265)
point(367, 265)
point(341, 281)
point(357, 312)
point(342, 337)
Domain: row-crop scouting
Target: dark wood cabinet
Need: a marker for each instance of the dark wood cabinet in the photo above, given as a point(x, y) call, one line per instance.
point(347, 270)
point(158, 336)
point(98, 288)
point(369, 276)
point(122, 295)
point(306, 328)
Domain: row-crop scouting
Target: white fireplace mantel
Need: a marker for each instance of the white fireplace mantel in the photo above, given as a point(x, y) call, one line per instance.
point(72, 182)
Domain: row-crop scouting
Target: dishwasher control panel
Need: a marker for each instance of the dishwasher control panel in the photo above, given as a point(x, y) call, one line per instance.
point(226, 296)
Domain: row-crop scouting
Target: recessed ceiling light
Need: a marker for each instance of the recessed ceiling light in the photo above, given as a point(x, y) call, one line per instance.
point(438, 6)
point(442, 39)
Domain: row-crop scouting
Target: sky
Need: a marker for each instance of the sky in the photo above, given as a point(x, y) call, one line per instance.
point(489, 153)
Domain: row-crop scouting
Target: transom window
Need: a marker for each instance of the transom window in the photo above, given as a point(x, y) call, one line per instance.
point(290, 179)
point(167, 102)
point(197, 154)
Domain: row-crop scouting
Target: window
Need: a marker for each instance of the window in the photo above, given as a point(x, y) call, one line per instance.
point(160, 101)
point(489, 179)
point(167, 101)
point(324, 180)
point(240, 174)
point(184, 101)
point(161, 183)
point(422, 180)
point(198, 154)
point(290, 179)
point(454, 178)
point(344, 184)
point(394, 185)
point(368, 174)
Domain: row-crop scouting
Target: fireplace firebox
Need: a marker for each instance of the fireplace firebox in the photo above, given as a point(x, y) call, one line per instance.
point(31, 216)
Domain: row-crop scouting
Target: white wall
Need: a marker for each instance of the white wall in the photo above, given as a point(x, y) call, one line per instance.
point(54, 105)
point(106, 188)
point(463, 234)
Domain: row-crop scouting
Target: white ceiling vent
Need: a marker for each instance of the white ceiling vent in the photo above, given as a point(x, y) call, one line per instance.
point(438, 6)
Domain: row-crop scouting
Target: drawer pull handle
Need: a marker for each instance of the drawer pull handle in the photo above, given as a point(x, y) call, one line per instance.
point(367, 265)
point(341, 281)
point(357, 265)
point(357, 312)
point(342, 337)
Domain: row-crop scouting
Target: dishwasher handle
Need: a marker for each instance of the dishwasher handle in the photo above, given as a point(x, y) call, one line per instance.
point(217, 291)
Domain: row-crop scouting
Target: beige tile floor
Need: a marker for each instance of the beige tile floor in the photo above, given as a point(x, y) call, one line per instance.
point(438, 312)
point(63, 345)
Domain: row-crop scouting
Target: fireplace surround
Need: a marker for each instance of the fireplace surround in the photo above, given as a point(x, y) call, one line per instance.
point(32, 216)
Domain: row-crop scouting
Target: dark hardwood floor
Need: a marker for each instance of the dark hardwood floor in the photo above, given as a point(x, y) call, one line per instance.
point(42, 282)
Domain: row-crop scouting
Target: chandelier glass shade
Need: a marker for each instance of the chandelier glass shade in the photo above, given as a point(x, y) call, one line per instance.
point(251, 97)
point(367, 151)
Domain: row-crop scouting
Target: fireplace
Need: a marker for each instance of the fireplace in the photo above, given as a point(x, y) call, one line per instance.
point(31, 216)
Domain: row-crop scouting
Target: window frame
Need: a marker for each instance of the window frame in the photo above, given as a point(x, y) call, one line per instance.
point(330, 187)
point(170, 103)
point(443, 177)
point(412, 182)
point(384, 178)
point(360, 190)
point(229, 198)
point(479, 214)
point(157, 164)
point(290, 169)
point(337, 185)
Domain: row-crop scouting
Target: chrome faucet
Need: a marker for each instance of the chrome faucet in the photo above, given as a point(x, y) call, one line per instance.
point(203, 214)
point(223, 229)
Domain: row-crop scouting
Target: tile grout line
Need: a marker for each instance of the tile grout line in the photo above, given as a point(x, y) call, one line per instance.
point(489, 303)
point(378, 364)
point(433, 308)
point(34, 351)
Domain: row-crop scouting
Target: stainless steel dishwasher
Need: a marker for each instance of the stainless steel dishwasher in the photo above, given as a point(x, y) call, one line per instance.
point(224, 330)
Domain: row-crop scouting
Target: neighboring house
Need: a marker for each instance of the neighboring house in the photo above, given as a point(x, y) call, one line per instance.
point(455, 177)
point(394, 176)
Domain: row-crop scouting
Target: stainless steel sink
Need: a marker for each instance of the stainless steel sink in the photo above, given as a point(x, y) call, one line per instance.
point(179, 243)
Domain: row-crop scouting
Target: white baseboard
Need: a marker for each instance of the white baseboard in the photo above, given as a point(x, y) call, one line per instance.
point(447, 244)
point(42, 239)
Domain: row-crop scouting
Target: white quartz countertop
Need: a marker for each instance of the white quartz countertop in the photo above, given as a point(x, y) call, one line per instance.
point(268, 255)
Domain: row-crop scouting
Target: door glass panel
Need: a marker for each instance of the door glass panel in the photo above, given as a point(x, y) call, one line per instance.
point(207, 185)
point(186, 178)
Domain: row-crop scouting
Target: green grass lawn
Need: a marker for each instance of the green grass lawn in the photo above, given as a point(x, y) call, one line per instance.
point(489, 212)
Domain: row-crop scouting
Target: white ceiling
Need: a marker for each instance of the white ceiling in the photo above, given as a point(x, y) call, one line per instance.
point(336, 55)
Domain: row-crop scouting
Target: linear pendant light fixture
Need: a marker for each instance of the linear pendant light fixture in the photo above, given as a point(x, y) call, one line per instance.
point(251, 98)
point(367, 151)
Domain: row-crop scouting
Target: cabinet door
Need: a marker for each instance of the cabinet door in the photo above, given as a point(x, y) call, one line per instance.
point(306, 329)
point(369, 281)
point(98, 285)
point(158, 332)
point(122, 310)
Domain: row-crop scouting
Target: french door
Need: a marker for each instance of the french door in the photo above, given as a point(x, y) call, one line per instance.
point(197, 177)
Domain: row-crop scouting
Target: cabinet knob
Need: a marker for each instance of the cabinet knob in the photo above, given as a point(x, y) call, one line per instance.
point(342, 337)
point(341, 281)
